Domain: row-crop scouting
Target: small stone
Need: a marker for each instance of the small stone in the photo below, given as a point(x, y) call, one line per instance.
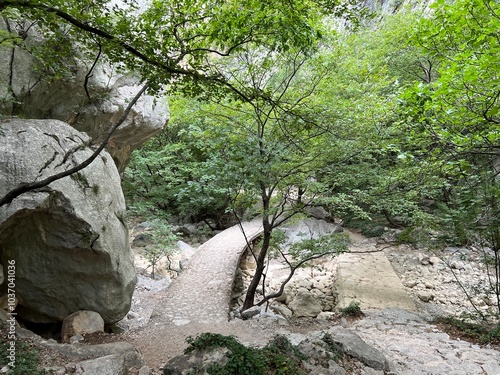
point(76, 339)
point(434, 260)
point(325, 315)
point(318, 293)
point(282, 298)
point(132, 315)
point(487, 300)
point(424, 260)
point(282, 310)
point(429, 285)
point(250, 313)
point(425, 296)
point(456, 265)
point(308, 284)
point(410, 283)
point(305, 304)
point(81, 322)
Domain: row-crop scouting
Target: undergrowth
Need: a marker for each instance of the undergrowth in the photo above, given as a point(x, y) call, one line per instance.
point(353, 310)
point(278, 357)
point(480, 333)
point(26, 359)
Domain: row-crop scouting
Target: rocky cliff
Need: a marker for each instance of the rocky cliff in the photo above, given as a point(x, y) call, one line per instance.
point(89, 98)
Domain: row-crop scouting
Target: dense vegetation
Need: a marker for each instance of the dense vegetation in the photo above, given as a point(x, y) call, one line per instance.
point(280, 106)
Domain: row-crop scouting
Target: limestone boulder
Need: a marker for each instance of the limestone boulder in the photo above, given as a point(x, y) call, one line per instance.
point(28, 90)
point(199, 360)
point(112, 364)
point(353, 345)
point(69, 240)
point(80, 323)
point(305, 304)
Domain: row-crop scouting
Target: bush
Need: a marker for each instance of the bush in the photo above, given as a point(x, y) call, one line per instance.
point(353, 310)
point(278, 357)
point(367, 228)
point(470, 331)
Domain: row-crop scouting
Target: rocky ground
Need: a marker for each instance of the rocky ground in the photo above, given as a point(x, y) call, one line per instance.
point(393, 341)
point(410, 342)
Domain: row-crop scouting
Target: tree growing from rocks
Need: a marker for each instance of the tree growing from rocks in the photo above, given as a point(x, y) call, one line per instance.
point(163, 239)
point(267, 151)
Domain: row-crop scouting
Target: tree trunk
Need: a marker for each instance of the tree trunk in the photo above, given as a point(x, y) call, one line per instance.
point(261, 263)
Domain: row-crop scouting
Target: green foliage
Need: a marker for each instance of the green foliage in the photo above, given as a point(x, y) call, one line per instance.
point(170, 173)
point(178, 44)
point(26, 359)
point(369, 228)
point(335, 350)
point(278, 357)
point(364, 170)
point(470, 330)
point(448, 123)
point(310, 248)
point(353, 310)
point(163, 243)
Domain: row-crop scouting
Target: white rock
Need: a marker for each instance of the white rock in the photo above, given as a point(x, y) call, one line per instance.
point(425, 296)
point(75, 224)
point(305, 304)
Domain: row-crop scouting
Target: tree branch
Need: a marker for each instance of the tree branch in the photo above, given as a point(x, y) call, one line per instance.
point(23, 188)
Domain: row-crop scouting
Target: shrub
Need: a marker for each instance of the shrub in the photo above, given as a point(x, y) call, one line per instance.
point(278, 357)
point(352, 310)
point(26, 359)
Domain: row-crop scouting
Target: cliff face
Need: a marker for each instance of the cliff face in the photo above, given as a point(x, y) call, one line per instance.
point(393, 6)
point(91, 99)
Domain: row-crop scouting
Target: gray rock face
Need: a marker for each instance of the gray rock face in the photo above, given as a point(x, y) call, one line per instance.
point(354, 346)
point(307, 229)
point(38, 95)
point(68, 239)
point(109, 365)
point(251, 312)
point(197, 360)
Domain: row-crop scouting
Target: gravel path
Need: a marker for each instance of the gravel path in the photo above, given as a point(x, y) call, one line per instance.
point(198, 300)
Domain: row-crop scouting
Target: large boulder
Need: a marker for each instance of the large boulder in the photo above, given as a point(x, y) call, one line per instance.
point(68, 240)
point(305, 304)
point(29, 90)
point(308, 228)
point(80, 323)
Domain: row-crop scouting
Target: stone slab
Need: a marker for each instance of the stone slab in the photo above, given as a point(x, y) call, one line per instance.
point(370, 280)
